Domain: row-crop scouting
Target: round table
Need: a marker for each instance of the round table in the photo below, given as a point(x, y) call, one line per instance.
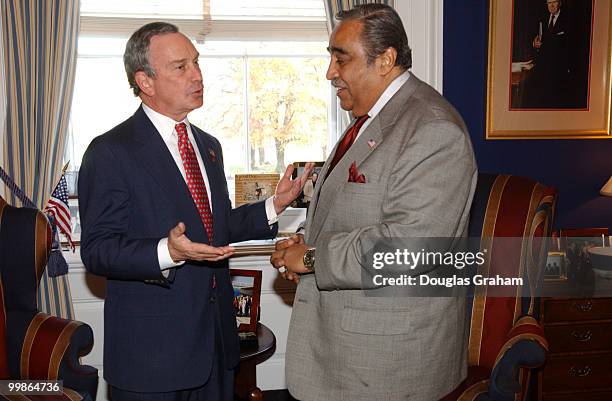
point(246, 373)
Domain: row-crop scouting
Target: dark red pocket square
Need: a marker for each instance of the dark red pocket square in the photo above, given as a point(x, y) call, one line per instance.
point(354, 175)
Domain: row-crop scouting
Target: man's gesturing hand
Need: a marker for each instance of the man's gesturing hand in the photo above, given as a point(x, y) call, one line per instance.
point(287, 190)
point(182, 248)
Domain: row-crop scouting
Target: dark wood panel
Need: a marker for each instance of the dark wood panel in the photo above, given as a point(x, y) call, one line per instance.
point(571, 310)
point(585, 372)
point(579, 337)
point(597, 396)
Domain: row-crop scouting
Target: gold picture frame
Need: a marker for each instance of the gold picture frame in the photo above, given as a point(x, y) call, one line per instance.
point(517, 107)
point(254, 187)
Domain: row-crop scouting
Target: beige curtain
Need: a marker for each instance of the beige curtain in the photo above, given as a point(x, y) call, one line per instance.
point(39, 40)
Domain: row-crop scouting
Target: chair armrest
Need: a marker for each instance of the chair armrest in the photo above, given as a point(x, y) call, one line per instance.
point(473, 388)
point(51, 350)
point(525, 347)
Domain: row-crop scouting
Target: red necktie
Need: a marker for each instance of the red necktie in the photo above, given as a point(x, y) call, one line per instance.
point(347, 141)
point(195, 182)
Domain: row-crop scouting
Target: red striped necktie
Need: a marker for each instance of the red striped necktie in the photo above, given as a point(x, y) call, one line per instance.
point(195, 181)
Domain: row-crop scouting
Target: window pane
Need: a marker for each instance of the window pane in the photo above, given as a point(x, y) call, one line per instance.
point(223, 112)
point(219, 9)
point(143, 8)
point(268, 9)
point(288, 119)
point(102, 99)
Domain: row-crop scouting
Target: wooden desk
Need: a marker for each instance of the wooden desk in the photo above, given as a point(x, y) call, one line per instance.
point(246, 374)
point(577, 322)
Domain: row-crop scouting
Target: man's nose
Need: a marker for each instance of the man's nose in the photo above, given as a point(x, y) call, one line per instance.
point(332, 72)
point(197, 74)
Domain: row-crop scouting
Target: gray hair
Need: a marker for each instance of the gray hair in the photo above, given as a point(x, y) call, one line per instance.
point(136, 56)
point(382, 28)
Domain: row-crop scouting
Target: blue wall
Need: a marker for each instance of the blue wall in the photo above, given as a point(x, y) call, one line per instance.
point(577, 168)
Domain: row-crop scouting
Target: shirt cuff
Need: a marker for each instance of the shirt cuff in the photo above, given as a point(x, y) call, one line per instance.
point(271, 211)
point(164, 258)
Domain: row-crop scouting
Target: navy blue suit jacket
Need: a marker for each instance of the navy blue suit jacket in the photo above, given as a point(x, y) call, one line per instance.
point(158, 337)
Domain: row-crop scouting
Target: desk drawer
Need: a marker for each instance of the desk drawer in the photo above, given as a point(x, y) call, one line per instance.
point(572, 310)
point(588, 372)
point(597, 396)
point(579, 337)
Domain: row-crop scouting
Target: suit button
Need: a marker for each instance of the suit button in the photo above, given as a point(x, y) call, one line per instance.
point(213, 299)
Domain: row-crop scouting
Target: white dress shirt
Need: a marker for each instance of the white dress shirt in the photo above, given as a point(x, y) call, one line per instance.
point(553, 18)
point(382, 101)
point(165, 128)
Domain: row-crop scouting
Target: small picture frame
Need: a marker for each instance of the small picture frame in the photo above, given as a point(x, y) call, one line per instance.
point(247, 291)
point(254, 187)
point(555, 266)
point(303, 200)
point(575, 243)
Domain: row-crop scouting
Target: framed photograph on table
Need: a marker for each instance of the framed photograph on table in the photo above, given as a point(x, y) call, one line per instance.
point(548, 72)
point(555, 266)
point(303, 200)
point(247, 291)
point(575, 243)
point(254, 187)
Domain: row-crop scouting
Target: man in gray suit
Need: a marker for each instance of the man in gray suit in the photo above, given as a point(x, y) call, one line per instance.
point(409, 173)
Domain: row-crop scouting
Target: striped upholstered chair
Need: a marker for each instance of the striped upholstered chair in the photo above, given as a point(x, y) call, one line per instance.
point(34, 345)
point(506, 340)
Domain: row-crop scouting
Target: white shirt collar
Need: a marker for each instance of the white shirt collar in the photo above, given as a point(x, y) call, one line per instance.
point(391, 90)
point(163, 124)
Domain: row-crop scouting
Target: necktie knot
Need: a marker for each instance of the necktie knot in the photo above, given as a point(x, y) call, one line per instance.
point(360, 121)
point(347, 140)
point(181, 129)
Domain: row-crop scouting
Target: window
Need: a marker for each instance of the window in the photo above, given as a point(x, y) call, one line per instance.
point(266, 99)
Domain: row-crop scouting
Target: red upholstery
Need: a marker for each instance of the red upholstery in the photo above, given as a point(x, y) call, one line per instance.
point(512, 216)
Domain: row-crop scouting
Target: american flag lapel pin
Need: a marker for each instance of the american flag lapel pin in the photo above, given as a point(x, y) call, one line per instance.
point(213, 156)
point(372, 143)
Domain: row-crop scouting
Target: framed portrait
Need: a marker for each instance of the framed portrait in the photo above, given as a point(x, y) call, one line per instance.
point(254, 187)
point(306, 196)
point(549, 70)
point(247, 291)
point(576, 243)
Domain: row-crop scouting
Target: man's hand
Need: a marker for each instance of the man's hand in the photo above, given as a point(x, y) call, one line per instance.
point(182, 248)
point(289, 255)
point(287, 189)
point(537, 42)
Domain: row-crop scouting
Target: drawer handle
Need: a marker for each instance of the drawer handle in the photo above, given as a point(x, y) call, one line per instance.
point(583, 307)
point(583, 372)
point(583, 337)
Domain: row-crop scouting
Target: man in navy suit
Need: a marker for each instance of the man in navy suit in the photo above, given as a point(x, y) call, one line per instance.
point(549, 85)
point(157, 220)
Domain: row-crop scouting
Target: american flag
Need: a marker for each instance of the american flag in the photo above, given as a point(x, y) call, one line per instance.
point(57, 206)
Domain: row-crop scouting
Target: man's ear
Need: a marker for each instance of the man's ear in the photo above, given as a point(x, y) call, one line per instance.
point(386, 60)
point(145, 83)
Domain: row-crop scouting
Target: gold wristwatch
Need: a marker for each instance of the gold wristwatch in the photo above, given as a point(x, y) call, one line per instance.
point(309, 259)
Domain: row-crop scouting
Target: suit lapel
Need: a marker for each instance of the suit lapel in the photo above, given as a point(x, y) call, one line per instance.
point(338, 177)
point(153, 154)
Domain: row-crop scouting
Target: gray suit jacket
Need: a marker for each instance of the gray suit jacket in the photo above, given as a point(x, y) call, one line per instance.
point(420, 174)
